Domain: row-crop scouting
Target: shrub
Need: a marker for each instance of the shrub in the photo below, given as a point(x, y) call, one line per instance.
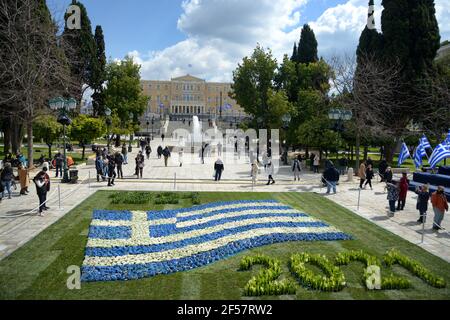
point(130, 197)
point(167, 198)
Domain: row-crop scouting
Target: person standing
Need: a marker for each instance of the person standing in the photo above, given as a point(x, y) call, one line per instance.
point(218, 167)
point(99, 168)
point(369, 176)
point(270, 172)
point(382, 167)
point(42, 182)
point(111, 171)
point(105, 168)
point(24, 178)
point(362, 174)
point(316, 163)
point(162, 137)
point(219, 149)
point(143, 144)
point(392, 196)
point(311, 161)
point(265, 160)
point(388, 175)
point(331, 176)
point(296, 168)
point(139, 164)
point(125, 153)
point(119, 159)
point(148, 151)
point(254, 172)
point(166, 154)
point(159, 151)
point(180, 156)
point(440, 205)
point(59, 160)
point(403, 192)
point(423, 196)
point(6, 178)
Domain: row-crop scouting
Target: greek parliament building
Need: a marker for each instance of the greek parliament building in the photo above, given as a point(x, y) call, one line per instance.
point(183, 97)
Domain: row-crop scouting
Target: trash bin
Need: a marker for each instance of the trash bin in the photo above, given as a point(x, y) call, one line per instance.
point(73, 176)
point(350, 174)
point(130, 148)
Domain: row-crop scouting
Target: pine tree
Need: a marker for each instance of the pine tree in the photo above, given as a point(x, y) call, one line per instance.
point(294, 56)
point(80, 51)
point(307, 47)
point(99, 73)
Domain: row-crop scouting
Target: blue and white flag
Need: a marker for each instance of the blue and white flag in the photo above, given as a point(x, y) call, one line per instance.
point(161, 105)
point(404, 154)
point(126, 245)
point(425, 143)
point(228, 106)
point(419, 154)
point(440, 153)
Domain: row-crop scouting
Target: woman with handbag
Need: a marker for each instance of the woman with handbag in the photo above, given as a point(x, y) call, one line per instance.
point(24, 178)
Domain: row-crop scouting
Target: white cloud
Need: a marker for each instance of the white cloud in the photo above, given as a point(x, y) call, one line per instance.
point(221, 32)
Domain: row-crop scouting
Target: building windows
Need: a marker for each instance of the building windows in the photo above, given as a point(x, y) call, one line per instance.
point(158, 87)
point(166, 98)
point(158, 98)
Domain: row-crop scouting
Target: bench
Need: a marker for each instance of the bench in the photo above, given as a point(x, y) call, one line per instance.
point(401, 170)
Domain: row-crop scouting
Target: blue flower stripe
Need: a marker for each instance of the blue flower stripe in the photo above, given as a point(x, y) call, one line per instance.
point(112, 215)
point(137, 271)
point(101, 232)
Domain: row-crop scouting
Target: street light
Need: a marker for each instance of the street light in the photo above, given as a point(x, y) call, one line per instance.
point(147, 119)
point(339, 116)
point(286, 118)
point(131, 116)
point(63, 106)
point(108, 124)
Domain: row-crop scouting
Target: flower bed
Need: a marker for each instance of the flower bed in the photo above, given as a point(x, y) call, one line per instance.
point(161, 242)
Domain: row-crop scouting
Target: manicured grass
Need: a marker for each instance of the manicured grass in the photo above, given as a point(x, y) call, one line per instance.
point(76, 156)
point(38, 269)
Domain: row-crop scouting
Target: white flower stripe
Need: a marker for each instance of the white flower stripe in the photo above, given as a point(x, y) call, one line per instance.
point(235, 215)
point(146, 240)
point(197, 248)
point(229, 206)
point(120, 223)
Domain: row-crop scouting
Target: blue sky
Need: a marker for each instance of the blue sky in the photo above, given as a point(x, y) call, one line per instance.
point(166, 36)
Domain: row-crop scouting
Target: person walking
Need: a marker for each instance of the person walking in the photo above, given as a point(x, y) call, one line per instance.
point(382, 168)
point(423, 196)
point(369, 176)
point(111, 171)
point(218, 167)
point(6, 177)
point(403, 192)
point(125, 153)
point(148, 151)
point(166, 154)
point(265, 160)
point(159, 151)
point(316, 163)
point(99, 168)
point(105, 167)
point(119, 159)
point(59, 160)
point(440, 206)
point(331, 176)
point(362, 174)
point(392, 196)
point(42, 182)
point(254, 172)
point(388, 175)
point(296, 168)
point(219, 149)
point(180, 157)
point(270, 172)
point(162, 137)
point(24, 178)
point(140, 164)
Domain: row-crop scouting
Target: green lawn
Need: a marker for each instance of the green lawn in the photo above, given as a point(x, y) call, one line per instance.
point(76, 156)
point(38, 269)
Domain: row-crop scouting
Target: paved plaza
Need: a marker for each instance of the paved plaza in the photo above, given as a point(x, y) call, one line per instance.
point(373, 206)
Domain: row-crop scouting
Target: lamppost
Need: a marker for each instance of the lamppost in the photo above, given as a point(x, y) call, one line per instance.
point(63, 106)
point(339, 116)
point(153, 122)
point(108, 124)
point(260, 122)
point(286, 119)
point(147, 119)
point(130, 148)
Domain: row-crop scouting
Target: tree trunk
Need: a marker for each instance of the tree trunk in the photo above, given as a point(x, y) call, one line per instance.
point(357, 147)
point(389, 151)
point(30, 143)
point(117, 140)
point(7, 135)
point(84, 149)
point(351, 153)
point(366, 152)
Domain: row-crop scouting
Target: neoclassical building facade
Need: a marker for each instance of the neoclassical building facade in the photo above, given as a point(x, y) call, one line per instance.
point(186, 96)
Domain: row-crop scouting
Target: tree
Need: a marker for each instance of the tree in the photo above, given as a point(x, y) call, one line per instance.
point(286, 78)
point(46, 128)
point(81, 53)
point(99, 72)
point(307, 47)
point(33, 67)
point(294, 56)
point(315, 132)
point(370, 41)
point(86, 129)
point(252, 81)
point(123, 93)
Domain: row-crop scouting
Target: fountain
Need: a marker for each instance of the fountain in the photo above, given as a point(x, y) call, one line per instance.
point(196, 136)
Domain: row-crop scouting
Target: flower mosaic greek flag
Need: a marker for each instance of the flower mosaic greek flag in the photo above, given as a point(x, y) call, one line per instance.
point(126, 245)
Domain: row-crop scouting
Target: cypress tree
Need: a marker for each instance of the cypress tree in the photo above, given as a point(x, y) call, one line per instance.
point(294, 53)
point(307, 47)
point(99, 73)
point(80, 51)
point(370, 41)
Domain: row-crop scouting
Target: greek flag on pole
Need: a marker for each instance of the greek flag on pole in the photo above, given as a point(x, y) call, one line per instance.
point(126, 245)
point(161, 105)
point(228, 106)
point(404, 154)
point(440, 153)
point(419, 154)
point(425, 143)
